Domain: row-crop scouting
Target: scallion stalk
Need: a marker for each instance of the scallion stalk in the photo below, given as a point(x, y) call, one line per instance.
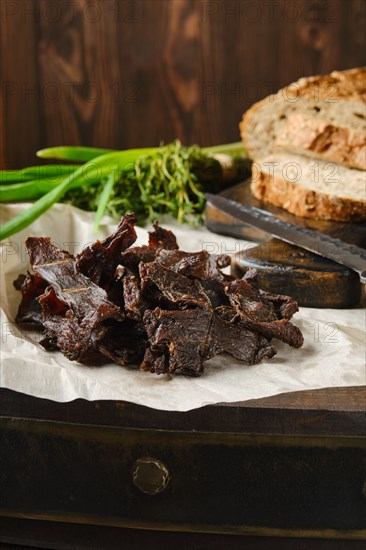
point(151, 181)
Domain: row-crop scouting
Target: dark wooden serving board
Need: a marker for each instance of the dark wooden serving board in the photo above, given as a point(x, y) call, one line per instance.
point(288, 468)
point(312, 280)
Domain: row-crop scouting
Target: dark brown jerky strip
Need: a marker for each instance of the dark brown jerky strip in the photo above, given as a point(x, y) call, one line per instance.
point(197, 265)
point(99, 261)
point(76, 334)
point(240, 342)
point(215, 290)
point(180, 341)
point(74, 309)
point(29, 310)
point(177, 341)
point(64, 329)
point(282, 329)
point(132, 258)
point(246, 299)
point(284, 306)
point(252, 277)
point(134, 304)
point(42, 251)
point(174, 287)
point(201, 266)
point(124, 343)
point(18, 283)
point(256, 314)
point(33, 284)
point(162, 238)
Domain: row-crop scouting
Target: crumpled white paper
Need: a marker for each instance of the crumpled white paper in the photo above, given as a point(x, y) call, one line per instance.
point(333, 353)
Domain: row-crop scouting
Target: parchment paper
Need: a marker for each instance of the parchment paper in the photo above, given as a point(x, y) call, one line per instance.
point(333, 354)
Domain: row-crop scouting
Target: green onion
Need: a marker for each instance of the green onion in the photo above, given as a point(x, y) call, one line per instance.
point(104, 197)
point(169, 179)
point(27, 191)
point(92, 170)
point(74, 153)
point(232, 149)
point(49, 171)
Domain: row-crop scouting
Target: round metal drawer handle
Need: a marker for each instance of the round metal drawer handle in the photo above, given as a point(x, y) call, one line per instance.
point(150, 475)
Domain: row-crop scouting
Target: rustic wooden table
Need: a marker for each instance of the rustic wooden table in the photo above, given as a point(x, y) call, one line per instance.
point(268, 473)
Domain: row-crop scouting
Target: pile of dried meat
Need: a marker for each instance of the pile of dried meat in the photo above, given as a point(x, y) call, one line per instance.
point(167, 310)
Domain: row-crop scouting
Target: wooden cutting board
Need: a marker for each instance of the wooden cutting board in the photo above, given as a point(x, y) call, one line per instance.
point(312, 280)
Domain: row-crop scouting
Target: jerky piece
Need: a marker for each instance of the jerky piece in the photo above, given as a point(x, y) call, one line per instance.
point(177, 341)
point(281, 329)
point(19, 281)
point(158, 239)
point(156, 362)
point(77, 330)
point(180, 341)
point(132, 258)
point(162, 238)
point(243, 344)
point(256, 314)
point(215, 290)
point(197, 265)
point(246, 299)
point(171, 258)
point(50, 344)
point(134, 304)
point(173, 287)
point(252, 277)
point(284, 306)
point(74, 309)
point(124, 343)
point(99, 261)
point(42, 251)
point(32, 287)
point(115, 291)
point(201, 266)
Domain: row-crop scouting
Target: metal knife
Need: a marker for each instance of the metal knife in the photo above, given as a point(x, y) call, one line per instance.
point(346, 254)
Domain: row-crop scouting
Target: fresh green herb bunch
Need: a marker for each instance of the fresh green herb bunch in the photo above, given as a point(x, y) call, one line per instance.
point(165, 183)
point(171, 180)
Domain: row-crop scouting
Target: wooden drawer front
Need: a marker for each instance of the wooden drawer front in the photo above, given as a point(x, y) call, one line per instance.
point(215, 482)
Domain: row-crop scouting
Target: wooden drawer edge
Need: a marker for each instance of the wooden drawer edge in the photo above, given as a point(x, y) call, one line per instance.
point(213, 529)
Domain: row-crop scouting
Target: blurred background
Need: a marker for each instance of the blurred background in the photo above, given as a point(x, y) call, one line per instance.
point(128, 73)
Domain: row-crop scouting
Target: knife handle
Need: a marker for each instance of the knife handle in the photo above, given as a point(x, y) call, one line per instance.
point(313, 281)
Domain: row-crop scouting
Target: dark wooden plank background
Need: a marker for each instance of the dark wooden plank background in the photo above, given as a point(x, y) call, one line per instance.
point(130, 73)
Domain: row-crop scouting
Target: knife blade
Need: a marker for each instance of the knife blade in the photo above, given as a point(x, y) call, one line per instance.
point(346, 254)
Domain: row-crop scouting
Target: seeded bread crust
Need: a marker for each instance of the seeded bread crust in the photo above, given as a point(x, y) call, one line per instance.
point(302, 201)
point(321, 116)
point(349, 85)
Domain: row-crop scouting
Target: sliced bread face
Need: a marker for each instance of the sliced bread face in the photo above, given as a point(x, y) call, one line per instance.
point(310, 188)
point(321, 116)
point(317, 138)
